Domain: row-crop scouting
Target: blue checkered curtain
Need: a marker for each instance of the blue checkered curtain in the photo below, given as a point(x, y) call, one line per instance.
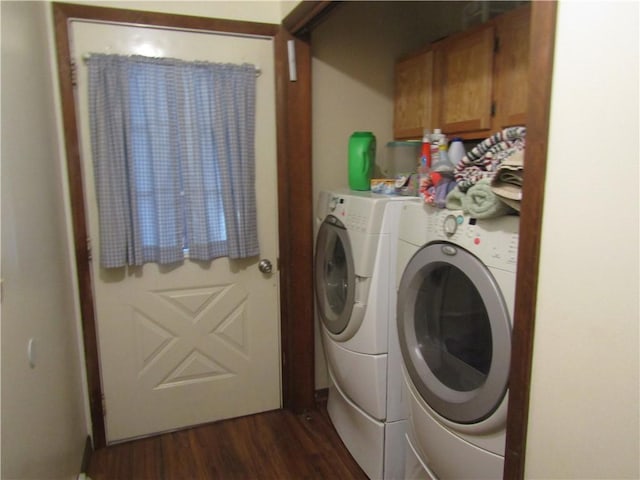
point(174, 159)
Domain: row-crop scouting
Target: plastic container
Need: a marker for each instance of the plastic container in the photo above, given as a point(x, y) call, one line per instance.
point(442, 164)
point(436, 138)
point(362, 158)
point(425, 153)
point(401, 157)
point(456, 151)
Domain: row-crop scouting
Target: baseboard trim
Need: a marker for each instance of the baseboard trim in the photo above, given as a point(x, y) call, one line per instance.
point(86, 455)
point(321, 395)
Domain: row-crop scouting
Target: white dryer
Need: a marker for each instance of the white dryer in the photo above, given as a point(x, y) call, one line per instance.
point(456, 289)
point(355, 294)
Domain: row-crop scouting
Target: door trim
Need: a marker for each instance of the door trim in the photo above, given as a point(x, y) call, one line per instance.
point(297, 383)
point(541, 50)
point(307, 15)
point(293, 118)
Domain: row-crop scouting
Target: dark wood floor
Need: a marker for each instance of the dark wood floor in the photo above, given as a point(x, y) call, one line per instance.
point(273, 445)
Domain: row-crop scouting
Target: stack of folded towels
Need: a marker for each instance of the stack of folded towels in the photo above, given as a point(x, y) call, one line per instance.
point(489, 178)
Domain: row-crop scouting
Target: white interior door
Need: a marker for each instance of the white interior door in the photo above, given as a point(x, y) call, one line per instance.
point(193, 343)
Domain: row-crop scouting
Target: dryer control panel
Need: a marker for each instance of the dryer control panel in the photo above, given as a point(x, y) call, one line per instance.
point(494, 241)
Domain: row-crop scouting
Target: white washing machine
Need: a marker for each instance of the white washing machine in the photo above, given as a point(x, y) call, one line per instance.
point(456, 288)
point(355, 294)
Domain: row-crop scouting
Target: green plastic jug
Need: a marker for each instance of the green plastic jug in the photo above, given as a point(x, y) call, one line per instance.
point(362, 157)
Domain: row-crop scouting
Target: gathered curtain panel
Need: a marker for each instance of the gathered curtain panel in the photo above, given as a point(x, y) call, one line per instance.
point(174, 159)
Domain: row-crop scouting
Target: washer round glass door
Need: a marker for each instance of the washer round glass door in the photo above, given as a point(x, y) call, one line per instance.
point(334, 275)
point(454, 332)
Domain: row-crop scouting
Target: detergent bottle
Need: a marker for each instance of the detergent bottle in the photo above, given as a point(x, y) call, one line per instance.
point(362, 157)
point(456, 151)
point(425, 153)
point(442, 163)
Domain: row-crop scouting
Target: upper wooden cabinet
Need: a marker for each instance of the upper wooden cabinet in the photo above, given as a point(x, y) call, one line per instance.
point(476, 84)
point(464, 81)
point(413, 94)
point(511, 68)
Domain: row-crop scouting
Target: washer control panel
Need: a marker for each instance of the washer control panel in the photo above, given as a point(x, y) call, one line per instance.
point(352, 214)
point(360, 212)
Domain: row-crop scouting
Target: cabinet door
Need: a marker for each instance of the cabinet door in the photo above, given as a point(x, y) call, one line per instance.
point(413, 95)
point(466, 81)
point(511, 74)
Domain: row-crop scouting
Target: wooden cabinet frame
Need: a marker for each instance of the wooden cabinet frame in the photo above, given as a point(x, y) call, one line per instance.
point(541, 48)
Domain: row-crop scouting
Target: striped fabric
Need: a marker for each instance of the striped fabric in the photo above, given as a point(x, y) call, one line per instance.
point(485, 158)
point(174, 159)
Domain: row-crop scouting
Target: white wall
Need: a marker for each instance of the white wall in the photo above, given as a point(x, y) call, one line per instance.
point(584, 412)
point(43, 423)
point(286, 6)
point(350, 92)
point(44, 426)
point(584, 399)
point(354, 51)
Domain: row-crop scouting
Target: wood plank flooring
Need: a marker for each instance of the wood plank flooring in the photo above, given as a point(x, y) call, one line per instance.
point(273, 445)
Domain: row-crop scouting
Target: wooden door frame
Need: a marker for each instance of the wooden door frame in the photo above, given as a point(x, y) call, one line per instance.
point(542, 42)
point(293, 103)
point(541, 53)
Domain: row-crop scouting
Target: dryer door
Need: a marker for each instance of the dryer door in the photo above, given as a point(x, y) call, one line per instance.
point(334, 275)
point(455, 332)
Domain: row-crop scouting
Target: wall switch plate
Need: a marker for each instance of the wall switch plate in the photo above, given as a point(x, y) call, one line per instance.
point(31, 352)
